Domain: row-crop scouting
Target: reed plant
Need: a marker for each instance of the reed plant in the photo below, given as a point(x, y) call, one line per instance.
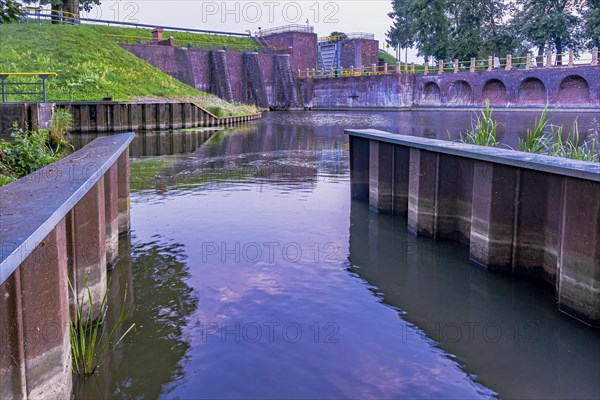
point(536, 140)
point(90, 337)
point(483, 129)
point(571, 146)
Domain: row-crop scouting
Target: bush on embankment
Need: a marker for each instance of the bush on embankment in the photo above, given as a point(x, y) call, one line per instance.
point(29, 151)
point(89, 67)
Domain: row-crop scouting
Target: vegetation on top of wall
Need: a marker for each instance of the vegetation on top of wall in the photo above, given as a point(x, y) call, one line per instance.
point(483, 129)
point(544, 138)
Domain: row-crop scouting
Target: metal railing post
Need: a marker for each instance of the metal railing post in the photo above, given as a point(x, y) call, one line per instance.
point(3, 78)
point(44, 77)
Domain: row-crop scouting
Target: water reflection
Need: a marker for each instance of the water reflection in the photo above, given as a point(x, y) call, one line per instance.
point(147, 144)
point(161, 301)
point(506, 329)
point(393, 303)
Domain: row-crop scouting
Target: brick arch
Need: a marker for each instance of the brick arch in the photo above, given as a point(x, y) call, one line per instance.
point(574, 90)
point(431, 93)
point(495, 91)
point(533, 91)
point(460, 92)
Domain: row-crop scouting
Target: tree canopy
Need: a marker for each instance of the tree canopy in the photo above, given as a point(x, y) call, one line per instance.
point(461, 29)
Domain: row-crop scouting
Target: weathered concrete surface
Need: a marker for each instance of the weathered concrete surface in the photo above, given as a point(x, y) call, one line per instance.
point(522, 213)
point(87, 248)
point(53, 229)
point(359, 52)
point(567, 87)
point(35, 357)
point(25, 115)
point(195, 68)
point(123, 116)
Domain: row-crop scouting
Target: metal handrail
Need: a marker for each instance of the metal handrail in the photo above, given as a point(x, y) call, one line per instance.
point(132, 24)
point(187, 42)
point(286, 28)
point(5, 75)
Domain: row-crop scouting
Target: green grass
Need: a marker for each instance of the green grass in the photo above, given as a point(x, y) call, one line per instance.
point(387, 57)
point(181, 38)
point(88, 65)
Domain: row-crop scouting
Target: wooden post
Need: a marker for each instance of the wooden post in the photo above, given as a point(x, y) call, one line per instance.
point(549, 60)
point(412, 68)
point(341, 71)
point(595, 56)
point(528, 61)
point(571, 58)
point(456, 66)
point(440, 67)
point(508, 62)
point(385, 68)
point(352, 70)
point(472, 67)
point(426, 69)
point(490, 63)
point(374, 66)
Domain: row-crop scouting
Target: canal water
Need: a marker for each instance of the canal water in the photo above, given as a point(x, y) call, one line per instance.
point(251, 274)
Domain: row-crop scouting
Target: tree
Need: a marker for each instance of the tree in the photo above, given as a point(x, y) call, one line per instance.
point(67, 6)
point(10, 11)
point(431, 27)
point(551, 23)
point(591, 25)
point(401, 32)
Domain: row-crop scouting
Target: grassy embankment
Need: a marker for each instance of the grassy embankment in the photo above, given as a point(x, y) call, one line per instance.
point(387, 57)
point(90, 66)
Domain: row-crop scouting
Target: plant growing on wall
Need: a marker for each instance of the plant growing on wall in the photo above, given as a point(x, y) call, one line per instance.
point(90, 338)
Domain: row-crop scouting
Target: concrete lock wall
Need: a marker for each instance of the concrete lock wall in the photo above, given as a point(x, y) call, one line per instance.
point(194, 67)
point(124, 116)
point(30, 115)
point(522, 213)
point(576, 87)
point(60, 224)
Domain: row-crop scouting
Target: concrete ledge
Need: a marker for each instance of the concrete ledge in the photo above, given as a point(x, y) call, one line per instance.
point(31, 207)
point(522, 213)
point(536, 162)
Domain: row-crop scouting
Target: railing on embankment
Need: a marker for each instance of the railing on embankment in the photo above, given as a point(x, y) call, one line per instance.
point(125, 116)
point(59, 224)
point(519, 212)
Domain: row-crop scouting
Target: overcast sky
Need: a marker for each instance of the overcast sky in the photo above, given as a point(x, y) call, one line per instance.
point(238, 16)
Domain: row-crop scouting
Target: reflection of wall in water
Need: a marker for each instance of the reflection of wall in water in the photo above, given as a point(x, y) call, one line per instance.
point(156, 143)
point(489, 321)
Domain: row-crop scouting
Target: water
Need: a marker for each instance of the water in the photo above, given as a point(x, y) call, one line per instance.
point(251, 274)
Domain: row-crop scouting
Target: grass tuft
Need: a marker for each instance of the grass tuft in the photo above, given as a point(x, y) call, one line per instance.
point(89, 337)
point(483, 129)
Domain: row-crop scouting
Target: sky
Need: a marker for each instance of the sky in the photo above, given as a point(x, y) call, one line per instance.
point(238, 16)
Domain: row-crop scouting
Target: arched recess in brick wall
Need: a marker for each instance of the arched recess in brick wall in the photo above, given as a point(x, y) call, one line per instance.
point(574, 90)
point(495, 91)
point(533, 91)
point(460, 92)
point(431, 93)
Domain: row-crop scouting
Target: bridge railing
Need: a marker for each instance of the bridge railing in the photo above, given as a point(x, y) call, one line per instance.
point(17, 84)
point(549, 60)
point(60, 224)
